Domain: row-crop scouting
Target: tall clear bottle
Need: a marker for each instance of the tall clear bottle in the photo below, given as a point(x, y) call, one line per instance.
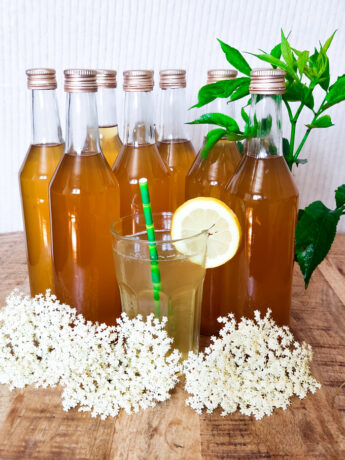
point(107, 115)
point(139, 156)
point(84, 200)
point(37, 169)
point(264, 196)
point(174, 145)
point(209, 178)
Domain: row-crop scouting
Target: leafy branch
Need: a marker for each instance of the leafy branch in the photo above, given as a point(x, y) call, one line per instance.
point(304, 72)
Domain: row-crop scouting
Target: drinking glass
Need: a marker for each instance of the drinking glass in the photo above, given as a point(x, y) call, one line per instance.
point(181, 265)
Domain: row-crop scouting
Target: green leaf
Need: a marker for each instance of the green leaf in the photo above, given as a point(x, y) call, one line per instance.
point(325, 77)
point(315, 232)
point(244, 115)
point(297, 91)
point(276, 51)
point(321, 122)
point(318, 70)
point(240, 91)
point(265, 126)
point(297, 52)
point(328, 42)
point(286, 148)
point(286, 50)
point(312, 71)
point(223, 89)
point(335, 94)
point(217, 119)
point(277, 62)
point(212, 138)
point(233, 136)
point(240, 147)
point(340, 196)
point(235, 58)
point(302, 61)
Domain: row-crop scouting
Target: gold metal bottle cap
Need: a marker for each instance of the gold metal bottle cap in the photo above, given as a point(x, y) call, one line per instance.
point(138, 80)
point(41, 78)
point(80, 81)
point(267, 81)
point(175, 78)
point(106, 78)
point(220, 74)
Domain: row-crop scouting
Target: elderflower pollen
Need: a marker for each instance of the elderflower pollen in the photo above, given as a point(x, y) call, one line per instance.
point(254, 366)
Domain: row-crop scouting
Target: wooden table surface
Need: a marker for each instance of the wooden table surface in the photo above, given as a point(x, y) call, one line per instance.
point(34, 426)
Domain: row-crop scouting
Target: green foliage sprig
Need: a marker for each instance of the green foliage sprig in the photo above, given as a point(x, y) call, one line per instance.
point(305, 71)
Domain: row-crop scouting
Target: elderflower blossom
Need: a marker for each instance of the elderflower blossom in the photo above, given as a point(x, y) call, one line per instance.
point(101, 368)
point(254, 366)
point(121, 367)
point(34, 340)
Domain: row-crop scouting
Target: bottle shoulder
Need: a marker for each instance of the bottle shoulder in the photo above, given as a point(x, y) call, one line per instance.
point(220, 164)
point(177, 153)
point(262, 178)
point(41, 159)
point(134, 161)
point(90, 172)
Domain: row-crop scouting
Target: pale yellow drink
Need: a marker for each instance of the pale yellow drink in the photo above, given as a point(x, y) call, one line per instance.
point(181, 277)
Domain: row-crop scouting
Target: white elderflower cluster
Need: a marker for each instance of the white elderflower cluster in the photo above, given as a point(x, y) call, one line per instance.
point(127, 366)
point(102, 369)
point(34, 340)
point(254, 366)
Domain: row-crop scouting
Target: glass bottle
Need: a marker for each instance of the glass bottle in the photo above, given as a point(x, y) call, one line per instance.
point(37, 169)
point(107, 115)
point(264, 196)
point(139, 156)
point(174, 145)
point(84, 200)
point(209, 178)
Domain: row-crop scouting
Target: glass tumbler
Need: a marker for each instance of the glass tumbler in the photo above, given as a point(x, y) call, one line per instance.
point(181, 266)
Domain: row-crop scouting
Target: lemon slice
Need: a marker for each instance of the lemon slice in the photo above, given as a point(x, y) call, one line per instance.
point(224, 230)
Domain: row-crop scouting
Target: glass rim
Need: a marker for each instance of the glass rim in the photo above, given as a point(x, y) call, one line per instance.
point(146, 241)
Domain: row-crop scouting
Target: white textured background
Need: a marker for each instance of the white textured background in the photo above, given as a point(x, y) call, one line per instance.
point(125, 34)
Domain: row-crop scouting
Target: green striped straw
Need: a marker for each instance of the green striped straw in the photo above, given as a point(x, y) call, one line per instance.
point(155, 273)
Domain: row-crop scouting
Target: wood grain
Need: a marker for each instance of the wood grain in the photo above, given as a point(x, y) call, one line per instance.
point(34, 426)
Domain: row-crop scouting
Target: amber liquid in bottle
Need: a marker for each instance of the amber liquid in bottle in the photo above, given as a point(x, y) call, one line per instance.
point(37, 170)
point(178, 154)
point(209, 178)
point(107, 120)
point(139, 157)
point(264, 197)
point(174, 146)
point(84, 197)
point(35, 174)
point(110, 143)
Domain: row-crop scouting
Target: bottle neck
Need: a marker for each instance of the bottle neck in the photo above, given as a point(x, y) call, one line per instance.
point(173, 114)
point(46, 127)
point(139, 118)
point(265, 120)
point(106, 105)
point(82, 124)
point(219, 106)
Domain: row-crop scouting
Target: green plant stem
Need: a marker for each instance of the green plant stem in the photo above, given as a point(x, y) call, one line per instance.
point(292, 138)
point(290, 158)
point(288, 108)
point(293, 121)
point(305, 137)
